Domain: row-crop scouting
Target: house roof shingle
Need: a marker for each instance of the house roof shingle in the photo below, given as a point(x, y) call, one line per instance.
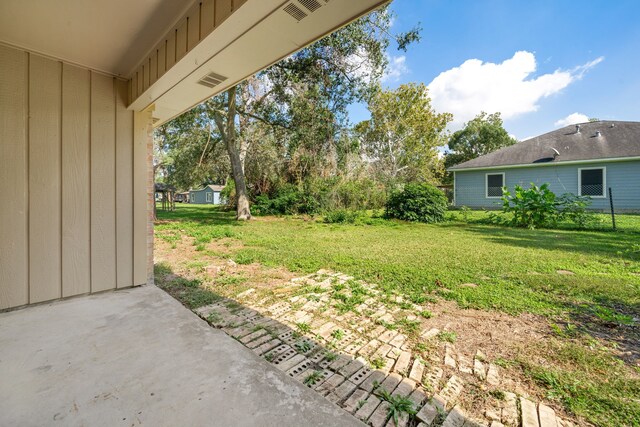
point(617, 139)
point(217, 188)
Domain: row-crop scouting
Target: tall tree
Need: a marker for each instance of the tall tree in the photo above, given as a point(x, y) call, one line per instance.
point(403, 133)
point(481, 135)
point(304, 99)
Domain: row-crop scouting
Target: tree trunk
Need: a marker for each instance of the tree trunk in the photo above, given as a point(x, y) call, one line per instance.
point(243, 213)
point(242, 201)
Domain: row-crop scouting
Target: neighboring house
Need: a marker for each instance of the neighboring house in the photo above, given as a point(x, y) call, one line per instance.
point(209, 195)
point(585, 159)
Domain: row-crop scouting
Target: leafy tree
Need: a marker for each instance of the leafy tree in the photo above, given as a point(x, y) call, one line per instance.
point(481, 135)
point(301, 102)
point(403, 133)
point(189, 152)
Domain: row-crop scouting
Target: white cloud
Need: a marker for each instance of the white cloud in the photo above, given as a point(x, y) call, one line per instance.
point(507, 87)
point(396, 69)
point(572, 119)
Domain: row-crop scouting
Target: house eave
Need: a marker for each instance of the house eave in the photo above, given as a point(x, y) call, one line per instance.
point(529, 165)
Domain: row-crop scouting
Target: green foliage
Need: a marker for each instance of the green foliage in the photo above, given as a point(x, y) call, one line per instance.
point(288, 199)
point(398, 405)
point(403, 133)
point(448, 336)
point(318, 195)
point(331, 356)
point(426, 314)
point(574, 209)
point(409, 327)
point(303, 327)
point(341, 216)
point(303, 346)
point(337, 334)
point(480, 136)
point(464, 211)
point(288, 124)
point(313, 378)
point(228, 194)
point(589, 382)
point(538, 207)
point(377, 362)
point(611, 317)
point(417, 202)
point(534, 207)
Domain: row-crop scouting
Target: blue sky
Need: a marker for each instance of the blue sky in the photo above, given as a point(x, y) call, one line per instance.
point(537, 62)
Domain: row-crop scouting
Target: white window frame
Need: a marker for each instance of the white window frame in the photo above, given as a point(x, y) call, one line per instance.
point(454, 188)
point(604, 181)
point(486, 184)
point(208, 197)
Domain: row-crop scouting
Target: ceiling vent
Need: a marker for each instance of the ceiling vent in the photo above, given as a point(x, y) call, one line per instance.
point(295, 12)
point(212, 80)
point(311, 5)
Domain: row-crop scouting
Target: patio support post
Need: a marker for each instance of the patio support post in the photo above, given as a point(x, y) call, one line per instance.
point(143, 197)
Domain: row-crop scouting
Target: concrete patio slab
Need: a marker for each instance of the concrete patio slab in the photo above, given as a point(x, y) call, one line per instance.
point(138, 357)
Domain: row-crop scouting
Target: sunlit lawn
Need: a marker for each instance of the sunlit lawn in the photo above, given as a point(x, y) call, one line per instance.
point(515, 270)
point(581, 281)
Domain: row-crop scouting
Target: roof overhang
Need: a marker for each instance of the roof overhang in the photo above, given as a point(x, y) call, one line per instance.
point(540, 165)
point(255, 36)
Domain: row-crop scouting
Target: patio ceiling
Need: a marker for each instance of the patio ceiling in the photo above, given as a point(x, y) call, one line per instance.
point(109, 36)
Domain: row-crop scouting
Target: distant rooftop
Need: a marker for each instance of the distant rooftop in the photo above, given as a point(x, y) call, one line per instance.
point(593, 141)
point(211, 186)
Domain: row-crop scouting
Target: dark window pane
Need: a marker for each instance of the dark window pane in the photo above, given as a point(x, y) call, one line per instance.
point(592, 182)
point(494, 185)
point(494, 180)
point(592, 177)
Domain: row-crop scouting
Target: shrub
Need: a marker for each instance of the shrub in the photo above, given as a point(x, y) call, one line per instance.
point(539, 207)
point(341, 216)
point(288, 200)
point(318, 195)
point(417, 202)
point(532, 207)
point(228, 194)
point(574, 208)
point(464, 211)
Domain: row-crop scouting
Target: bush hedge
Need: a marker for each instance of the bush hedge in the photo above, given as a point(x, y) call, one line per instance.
point(417, 202)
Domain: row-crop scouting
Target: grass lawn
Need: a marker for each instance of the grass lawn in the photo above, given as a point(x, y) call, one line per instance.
point(515, 270)
point(585, 283)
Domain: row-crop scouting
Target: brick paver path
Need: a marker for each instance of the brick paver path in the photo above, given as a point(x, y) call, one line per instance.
point(357, 347)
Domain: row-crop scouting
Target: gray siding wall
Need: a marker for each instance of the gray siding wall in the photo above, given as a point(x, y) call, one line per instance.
point(199, 197)
point(622, 177)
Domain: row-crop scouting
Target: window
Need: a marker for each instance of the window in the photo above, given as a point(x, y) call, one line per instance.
point(494, 183)
point(592, 182)
point(209, 199)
